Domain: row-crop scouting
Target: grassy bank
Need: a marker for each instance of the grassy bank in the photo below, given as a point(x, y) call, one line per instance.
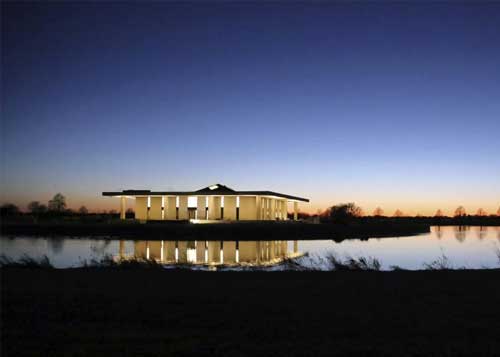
point(240, 230)
point(158, 312)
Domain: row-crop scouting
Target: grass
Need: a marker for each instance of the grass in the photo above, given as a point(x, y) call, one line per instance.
point(351, 263)
point(150, 312)
point(25, 262)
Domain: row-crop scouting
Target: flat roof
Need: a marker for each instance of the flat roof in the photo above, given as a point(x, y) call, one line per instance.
point(213, 190)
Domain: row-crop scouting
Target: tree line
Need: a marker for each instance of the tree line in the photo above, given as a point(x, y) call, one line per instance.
point(350, 211)
point(55, 207)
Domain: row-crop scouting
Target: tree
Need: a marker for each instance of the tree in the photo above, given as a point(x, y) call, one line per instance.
point(344, 212)
point(398, 213)
point(83, 210)
point(36, 208)
point(460, 211)
point(439, 213)
point(129, 213)
point(9, 209)
point(498, 212)
point(378, 212)
point(481, 212)
point(57, 203)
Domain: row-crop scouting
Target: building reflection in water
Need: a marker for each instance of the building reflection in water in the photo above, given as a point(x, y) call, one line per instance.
point(212, 252)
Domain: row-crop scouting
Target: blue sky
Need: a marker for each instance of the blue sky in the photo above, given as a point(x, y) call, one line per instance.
point(391, 104)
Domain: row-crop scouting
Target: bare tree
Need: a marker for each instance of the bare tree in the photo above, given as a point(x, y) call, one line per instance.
point(83, 210)
point(481, 212)
point(439, 213)
point(36, 208)
point(378, 212)
point(57, 203)
point(460, 211)
point(398, 213)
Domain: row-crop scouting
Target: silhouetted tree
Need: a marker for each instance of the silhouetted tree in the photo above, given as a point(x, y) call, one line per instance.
point(129, 213)
point(36, 208)
point(344, 212)
point(57, 203)
point(498, 212)
point(83, 210)
point(439, 213)
point(9, 209)
point(460, 211)
point(398, 213)
point(378, 212)
point(481, 212)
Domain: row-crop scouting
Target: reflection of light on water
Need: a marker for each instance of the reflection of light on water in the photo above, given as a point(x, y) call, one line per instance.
point(407, 252)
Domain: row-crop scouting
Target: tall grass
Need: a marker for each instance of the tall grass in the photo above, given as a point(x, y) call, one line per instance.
point(441, 263)
point(108, 262)
point(25, 262)
point(351, 263)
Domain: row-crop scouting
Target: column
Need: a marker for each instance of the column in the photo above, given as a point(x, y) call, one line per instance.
point(200, 208)
point(258, 208)
point(122, 207)
point(295, 246)
point(284, 212)
point(295, 211)
point(183, 207)
point(141, 208)
point(230, 208)
point(155, 208)
point(272, 209)
point(214, 207)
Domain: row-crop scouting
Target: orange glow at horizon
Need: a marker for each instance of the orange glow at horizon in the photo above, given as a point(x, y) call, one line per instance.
point(417, 207)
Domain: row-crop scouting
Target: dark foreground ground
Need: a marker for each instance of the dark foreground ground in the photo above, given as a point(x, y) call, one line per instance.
point(85, 312)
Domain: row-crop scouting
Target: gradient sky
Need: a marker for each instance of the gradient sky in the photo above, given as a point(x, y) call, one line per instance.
point(392, 104)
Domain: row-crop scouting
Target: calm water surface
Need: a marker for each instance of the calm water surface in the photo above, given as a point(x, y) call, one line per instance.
point(470, 247)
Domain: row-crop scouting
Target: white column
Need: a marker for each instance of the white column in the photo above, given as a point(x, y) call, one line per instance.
point(272, 210)
point(284, 212)
point(122, 207)
point(295, 210)
point(257, 208)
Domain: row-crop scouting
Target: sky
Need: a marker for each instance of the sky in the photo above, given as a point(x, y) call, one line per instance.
point(394, 105)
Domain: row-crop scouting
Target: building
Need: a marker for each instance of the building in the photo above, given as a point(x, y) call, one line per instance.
point(216, 202)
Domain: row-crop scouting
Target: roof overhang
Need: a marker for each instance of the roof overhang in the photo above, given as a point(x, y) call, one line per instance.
point(141, 193)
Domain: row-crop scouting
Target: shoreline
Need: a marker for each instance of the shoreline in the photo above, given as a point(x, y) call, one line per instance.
point(230, 231)
point(95, 311)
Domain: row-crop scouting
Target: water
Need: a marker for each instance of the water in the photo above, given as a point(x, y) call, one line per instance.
point(469, 247)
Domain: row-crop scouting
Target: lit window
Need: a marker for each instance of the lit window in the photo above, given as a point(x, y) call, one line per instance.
point(149, 201)
point(177, 201)
point(237, 201)
point(192, 202)
point(222, 202)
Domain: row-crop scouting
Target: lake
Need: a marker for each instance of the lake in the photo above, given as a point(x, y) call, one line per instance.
point(463, 246)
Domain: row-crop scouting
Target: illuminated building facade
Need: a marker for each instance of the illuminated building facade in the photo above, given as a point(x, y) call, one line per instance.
point(212, 203)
